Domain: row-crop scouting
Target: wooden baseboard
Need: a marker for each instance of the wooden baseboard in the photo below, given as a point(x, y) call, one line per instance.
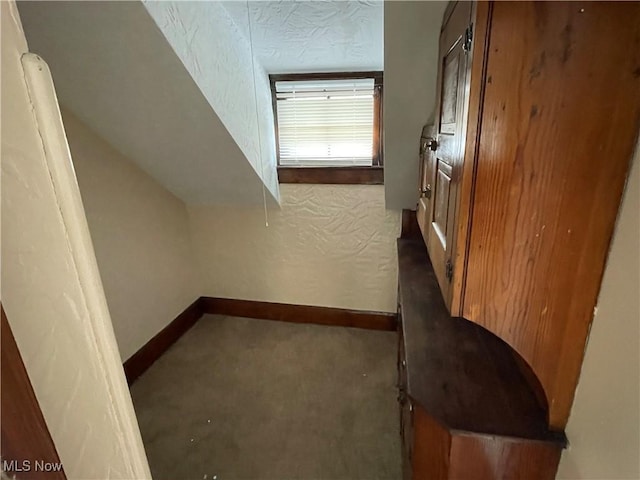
point(140, 361)
point(300, 313)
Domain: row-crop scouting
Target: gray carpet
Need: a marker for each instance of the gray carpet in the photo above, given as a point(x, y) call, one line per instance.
point(237, 398)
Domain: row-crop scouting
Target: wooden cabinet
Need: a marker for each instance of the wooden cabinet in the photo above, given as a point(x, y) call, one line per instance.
point(406, 406)
point(537, 119)
point(466, 408)
point(445, 155)
point(427, 164)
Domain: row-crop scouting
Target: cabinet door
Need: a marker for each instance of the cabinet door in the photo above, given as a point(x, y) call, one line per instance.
point(427, 163)
point(557, 132)
point(453, 97)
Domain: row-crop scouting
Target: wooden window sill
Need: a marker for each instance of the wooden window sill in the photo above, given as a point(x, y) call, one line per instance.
point(332, 175)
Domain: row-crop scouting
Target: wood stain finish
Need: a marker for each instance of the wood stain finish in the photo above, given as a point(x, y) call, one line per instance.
point(560, 116)
point(467, 410)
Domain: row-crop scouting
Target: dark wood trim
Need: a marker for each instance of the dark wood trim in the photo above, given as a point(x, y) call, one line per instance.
point(477, 70)
point(378, 76)
point(381, 124)
point(332, 175)
point(140, 361)
point(479, 388)
point(274, 106)
point(378, 142)
point(25, 436)
point(377, 126)
point(410, 227)
point(300, 313)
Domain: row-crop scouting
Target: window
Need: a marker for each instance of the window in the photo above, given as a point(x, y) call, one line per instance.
point(328, 126)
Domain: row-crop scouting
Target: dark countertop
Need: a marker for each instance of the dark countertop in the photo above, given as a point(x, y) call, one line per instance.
point(460, 373)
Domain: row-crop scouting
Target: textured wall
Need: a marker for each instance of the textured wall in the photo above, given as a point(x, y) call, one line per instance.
point(411, 32)
point(195, 30)
point(313, 36)
point(140, 234)
point(51, 289)
point(604, 426)
point(328, 245)
point(125, 81)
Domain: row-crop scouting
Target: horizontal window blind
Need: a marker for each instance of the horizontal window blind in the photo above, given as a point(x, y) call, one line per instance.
point(325, 122)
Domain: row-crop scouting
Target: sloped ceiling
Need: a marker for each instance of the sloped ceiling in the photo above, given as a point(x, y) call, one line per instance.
point(313, 36)
point(231, 79)
point(172, 86)
point(116, 71)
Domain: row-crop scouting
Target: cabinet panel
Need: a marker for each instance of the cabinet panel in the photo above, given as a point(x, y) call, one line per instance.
point(557, 131)
point(432, 443)
point(448, 106)
point(427, 179)
point(407, 438)
point(406, 427)
point(422, 216)
point(481, 15)
point(461, 378)
point(453, 95)
point(442, 202)
point(483, 457)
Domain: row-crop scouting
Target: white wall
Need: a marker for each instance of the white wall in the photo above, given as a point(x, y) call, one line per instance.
point(141, 237)
point(411, 33)
point(116, 71)
point(328, 245)
point(51, 289)
point(195, 30)
point(604, 426)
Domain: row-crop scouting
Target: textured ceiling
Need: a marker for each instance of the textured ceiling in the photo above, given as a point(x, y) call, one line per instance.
point(312, 36)
point(114, 69)
point(175, 94)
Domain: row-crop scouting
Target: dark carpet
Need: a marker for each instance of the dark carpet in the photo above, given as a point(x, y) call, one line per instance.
point(237, 398)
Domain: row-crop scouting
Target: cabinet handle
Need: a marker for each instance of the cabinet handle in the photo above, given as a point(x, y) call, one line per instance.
point(429, 143)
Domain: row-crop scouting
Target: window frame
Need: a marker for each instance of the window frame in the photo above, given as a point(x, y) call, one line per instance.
point(364, 175)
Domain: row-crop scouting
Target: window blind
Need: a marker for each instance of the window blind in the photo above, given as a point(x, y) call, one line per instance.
point(325, 122)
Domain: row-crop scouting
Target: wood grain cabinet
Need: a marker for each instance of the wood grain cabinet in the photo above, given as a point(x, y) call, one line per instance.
point(538, 109)
point(467, 411)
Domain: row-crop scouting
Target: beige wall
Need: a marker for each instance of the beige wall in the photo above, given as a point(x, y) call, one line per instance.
point(328, 245)
point(140, 234)
point(411, 33)
point(51, 289)
point(604, 427)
